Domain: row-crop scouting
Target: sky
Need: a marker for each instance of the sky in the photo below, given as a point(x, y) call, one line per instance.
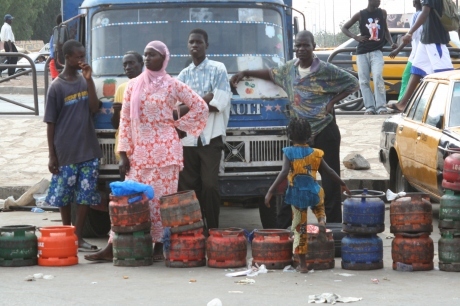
point(328, 14)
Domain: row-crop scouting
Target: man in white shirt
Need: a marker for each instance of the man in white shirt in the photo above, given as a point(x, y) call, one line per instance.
point(202, 155)
point(7, 37)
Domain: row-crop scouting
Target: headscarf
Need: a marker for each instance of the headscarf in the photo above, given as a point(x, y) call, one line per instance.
point(159, 78)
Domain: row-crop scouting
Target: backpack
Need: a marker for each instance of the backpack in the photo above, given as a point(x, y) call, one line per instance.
point(449, 18)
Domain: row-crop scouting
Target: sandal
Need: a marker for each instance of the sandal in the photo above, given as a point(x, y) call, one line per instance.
point(393, 108)
point(384, 112)
point(369, 112)
point(86, 247)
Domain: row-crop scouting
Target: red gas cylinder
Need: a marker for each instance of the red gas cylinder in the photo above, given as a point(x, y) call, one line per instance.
point(320, 251)
point(226, 248)
point(411, 214)
point(272, 247)
point(57, 246)
point(186, 249)
point(415, 250)
point(129, 213)
point(451, 171)
point(181, 211)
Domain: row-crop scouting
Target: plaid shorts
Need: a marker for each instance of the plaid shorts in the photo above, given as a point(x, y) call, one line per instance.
point(75, 183)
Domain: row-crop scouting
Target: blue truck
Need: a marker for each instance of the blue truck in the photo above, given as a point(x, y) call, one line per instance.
point(243, 34)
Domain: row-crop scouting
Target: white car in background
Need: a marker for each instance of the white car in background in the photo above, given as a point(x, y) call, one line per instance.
point(39, 58)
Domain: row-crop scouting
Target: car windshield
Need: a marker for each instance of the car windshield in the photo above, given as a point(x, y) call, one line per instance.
point(241, 38)
point(454, 113)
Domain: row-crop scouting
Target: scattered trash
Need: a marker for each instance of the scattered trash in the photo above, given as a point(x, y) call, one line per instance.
point(229, 270)
point(311, 271)
point(29, 278)
point(235, 292)
point(404, 267)
point(27, 198)
point(38, 275)
point(331, 298)
point(125, 277)
point(386, 278)
point(40, 199)
point(289, 268)
point(337, 280)
point(250, 271)
point(48, 277)
point(389, 237)
point(45, 219)
point(93, 283)
point(214, 302)
point(375, 280)
point(37, 210)
point(246, 281)
point(192, 280)
point(346, 274)
point(393, 196)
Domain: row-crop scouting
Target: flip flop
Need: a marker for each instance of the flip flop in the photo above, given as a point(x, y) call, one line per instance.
point(393, 108)
point(86, 247)
point(298, 270)
point(101, 260)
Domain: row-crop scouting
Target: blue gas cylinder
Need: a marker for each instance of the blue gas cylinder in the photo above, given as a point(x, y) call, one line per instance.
point(362, 252)
point(364, 212)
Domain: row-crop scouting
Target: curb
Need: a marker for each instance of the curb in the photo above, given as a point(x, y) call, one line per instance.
point(20, 90)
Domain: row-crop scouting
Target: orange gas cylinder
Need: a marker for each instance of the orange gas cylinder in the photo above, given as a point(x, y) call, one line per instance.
point(320, 251)
point(57, 246)
point(186, 249)
point(411, 214)
point(129, 213)
point(272, 247)
point(226, 248)
point(181, 211)
point(451, 171)
point(413, 251)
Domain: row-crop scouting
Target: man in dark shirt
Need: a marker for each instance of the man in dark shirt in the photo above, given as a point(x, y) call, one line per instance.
point(373, 36)
point(432, 54)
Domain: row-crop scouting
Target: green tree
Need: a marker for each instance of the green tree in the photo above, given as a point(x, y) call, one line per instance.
point(329, 40)
point(46, 21)
point(25, 13)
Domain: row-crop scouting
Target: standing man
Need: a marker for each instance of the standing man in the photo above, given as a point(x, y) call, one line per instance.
point(7, 37)
point(432, 54)
point(313, 88)
point(373, 36)
point(202, 155)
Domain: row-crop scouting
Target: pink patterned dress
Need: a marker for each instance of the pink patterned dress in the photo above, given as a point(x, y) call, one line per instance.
point(153, 147)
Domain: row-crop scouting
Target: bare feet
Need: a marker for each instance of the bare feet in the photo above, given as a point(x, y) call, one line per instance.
point(395, 107)
point(302, 269)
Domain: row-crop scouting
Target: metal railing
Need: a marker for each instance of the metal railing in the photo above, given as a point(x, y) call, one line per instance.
point(34, 110)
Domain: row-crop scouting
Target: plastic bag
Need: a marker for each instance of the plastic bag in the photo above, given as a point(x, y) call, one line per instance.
point(130, 187)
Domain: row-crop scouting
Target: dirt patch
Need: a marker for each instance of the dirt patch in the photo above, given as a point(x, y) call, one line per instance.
point(24, 81)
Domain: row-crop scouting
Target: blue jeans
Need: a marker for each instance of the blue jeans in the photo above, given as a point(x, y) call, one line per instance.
point(368, 63)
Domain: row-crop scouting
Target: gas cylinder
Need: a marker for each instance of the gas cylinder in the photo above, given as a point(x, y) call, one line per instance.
point(411, 214)
point(18, 246)
point(132, 249)
point(364, 212)
point(415, 250)
point(449, 251)
point(181, 211)
point(449, 210)
point(226, 248)
point(186, 249)
point(129, 213)
point(451, 171)
point(57, 246)
point(272, 247)
point(362, 252)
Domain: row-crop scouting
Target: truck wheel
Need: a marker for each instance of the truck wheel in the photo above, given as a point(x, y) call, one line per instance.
point(97, 223)
point(268, 214)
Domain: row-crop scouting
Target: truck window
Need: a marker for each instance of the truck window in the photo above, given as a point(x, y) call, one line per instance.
point(241, 38)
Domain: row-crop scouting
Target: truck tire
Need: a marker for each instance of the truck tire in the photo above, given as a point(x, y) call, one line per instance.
point(97, 223)
point(268, 214)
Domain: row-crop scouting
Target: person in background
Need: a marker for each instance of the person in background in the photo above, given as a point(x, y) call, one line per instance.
point(202, 154)
point(369, 54)
point(313, 88)
point(300, 164)
point(149, 146)
point(52, 64)
point(432, 54)
point(74, 150)
point(7, 37)
point(415, 42)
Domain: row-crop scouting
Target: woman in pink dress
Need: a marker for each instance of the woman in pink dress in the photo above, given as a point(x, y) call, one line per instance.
point(149, 145)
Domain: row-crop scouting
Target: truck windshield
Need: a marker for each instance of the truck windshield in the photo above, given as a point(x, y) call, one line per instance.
point(241, 38)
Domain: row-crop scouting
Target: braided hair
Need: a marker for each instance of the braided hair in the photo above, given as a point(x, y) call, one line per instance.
point(299, 130)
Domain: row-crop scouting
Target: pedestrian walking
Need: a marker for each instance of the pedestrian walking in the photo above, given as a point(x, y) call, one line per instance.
point(300, 165)
point(374, 34)
point(74, 150)
point(203, 154)
point(7, 37)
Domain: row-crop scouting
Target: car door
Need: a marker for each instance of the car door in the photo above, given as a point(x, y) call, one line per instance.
point(428, 135)
point(406, 134)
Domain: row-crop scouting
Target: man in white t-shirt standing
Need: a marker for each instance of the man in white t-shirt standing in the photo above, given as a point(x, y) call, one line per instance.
point(7, 37)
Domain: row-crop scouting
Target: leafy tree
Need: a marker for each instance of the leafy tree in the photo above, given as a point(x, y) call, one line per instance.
point(329, 40)
point(46, 21)
point(25, 13)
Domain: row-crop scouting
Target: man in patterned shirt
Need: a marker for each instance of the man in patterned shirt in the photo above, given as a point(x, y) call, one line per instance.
point(202, 155)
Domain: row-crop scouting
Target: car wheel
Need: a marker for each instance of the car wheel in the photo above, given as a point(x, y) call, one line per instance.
point(353, 106)
point(19, 71)
point(400, 182)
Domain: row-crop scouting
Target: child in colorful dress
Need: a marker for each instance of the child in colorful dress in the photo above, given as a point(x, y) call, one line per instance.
point(300, 164)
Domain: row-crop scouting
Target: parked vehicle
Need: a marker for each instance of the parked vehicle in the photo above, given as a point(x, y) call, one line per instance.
point(413, 144)
point(393, 68)
point(256, 129)
point(39, 58)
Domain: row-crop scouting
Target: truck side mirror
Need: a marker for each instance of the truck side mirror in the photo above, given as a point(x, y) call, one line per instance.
point(296, 25)
point(60, 36)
